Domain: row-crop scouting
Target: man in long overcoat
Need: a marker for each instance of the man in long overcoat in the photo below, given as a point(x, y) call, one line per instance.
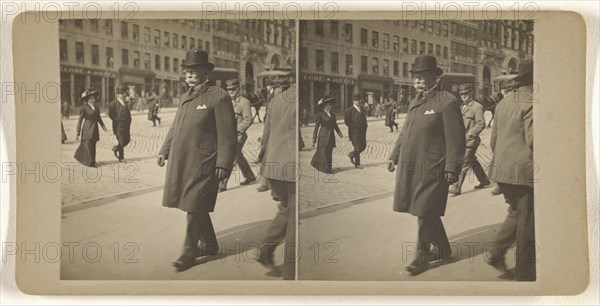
point(428, 152)
point(356, 120)
point(280, 168)
point(513, 169)
point(200, 148)
point(120, 115)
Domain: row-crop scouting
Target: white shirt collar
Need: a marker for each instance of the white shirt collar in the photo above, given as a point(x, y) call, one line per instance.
point(357, 108)
point(92, 106)
point(328, 113)
point(122, 103)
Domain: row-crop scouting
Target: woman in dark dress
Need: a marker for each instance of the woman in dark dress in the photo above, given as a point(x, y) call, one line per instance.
point(87, 127)
point(323, 136)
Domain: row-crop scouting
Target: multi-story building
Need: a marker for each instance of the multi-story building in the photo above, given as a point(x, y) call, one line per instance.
point(464, 47)
point(373, 58)
point(148, 53)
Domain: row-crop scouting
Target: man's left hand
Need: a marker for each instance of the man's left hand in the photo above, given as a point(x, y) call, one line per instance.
point(451, 178)
point(222, 174)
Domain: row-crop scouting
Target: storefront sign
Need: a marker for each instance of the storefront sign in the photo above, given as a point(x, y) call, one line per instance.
point(328, 79)
point(90, 72)
point(371, 85)
point(167, 77)
point(126, 78)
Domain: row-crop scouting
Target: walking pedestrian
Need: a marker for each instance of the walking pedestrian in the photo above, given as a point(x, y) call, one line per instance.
point(280, 154)
point(87, 127)
point(200, 149)
point(512, 144)
point(119, 113)
point(243, 115)
point(323, 135)
point(390, 115)
point(472, 114)
point(356, 120)
point(153, 109)
point(428, 153)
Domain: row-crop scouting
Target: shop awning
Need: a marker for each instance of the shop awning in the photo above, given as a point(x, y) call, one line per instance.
point(137, 72)
point(375, 78)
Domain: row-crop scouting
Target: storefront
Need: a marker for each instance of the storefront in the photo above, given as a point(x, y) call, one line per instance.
point(75, 79)
point(167, 87)
point(314, 86)
point(141, 78)
point(374, 89)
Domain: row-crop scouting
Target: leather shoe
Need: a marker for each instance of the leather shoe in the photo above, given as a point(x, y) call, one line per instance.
point(358, 166)
point(351, 158)
point(453, 191)
point(248, 181)
point(114, 149)
point(262, 188)
point(185, 262)
point(482, 185)
point(222, 189)
point(417, 268)
point(207, 251)
point(496, 191)
point(266, 256)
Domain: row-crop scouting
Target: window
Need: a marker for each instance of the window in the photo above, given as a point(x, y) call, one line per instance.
point(386, 67)
point(136, 59)
point(349, 64)
point(333, 25)
point(192, 43)
point(167, 37)
point(396, 68)
point(79, 56)
point(276, 37)
point(268, 35)
point(64, 55)
point(200, 44)
point(136, 32)
point(438, 28)
point(413, 46)
point(124, 57)
point(167, 63)
point(79, 23)
point(157, 37)
point(146, 34)
point(430, 49)
point(363, 37)
point(386, 41)
point(422, 25)
point(348, 32)
point(335, 62)
point(108, 27)
point(319, 27)
point(183, 42)
point(405, 45)
point(94, 25)
point(303, 58)
point(175, 41)
point(207, 49)
point(110, 61)
point(157, 62)
point(124, 30)
point(430, 26)
point(375, 40)
point(147, 61)
point(95, 55)
point(422, 49)
point(375, 69)
point(363, 64)
point(303, 27)
point(445, 29)
point(405, 70)
point(319, 56)
point(438, 50)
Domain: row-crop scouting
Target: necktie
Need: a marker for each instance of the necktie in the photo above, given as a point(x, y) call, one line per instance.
point(191, 91)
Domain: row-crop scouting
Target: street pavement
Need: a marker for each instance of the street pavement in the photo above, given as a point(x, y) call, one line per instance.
point(348, 230)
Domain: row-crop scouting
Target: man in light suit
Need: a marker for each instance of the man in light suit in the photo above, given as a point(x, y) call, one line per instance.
point(279, 166)
point(356, 120)
point(200, 148)
point(512, 144)
point(119, 113)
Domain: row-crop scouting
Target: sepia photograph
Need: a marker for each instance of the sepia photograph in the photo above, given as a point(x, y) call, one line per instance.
point(170, 146)
point(418, 150)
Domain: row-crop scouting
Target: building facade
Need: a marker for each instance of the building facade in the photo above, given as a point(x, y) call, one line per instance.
point(373, 58)
point(147, 54)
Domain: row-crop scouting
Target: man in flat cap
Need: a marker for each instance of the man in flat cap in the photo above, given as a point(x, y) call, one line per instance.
point(243, 115)
point(200, 148)
point(513, 170)
point(356, 120)
point(429, 152)
point(119, 113)
point(472, 114)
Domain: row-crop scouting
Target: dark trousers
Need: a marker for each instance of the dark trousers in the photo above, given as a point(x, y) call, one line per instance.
point(200, 228)
point(471, 161)
point(123, 142)
point(431, 232)
point(241, 161)
point(284, 226)
point(359, 144)
point(519, 226)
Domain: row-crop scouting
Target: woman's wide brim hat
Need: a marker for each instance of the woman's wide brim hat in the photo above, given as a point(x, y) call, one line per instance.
point(197, 58)
point(90, 90)
point(426, 63)
point(324, 101)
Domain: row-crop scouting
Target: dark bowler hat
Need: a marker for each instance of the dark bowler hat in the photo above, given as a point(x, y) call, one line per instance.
point(356, 97)
point(426, 63)
point(232, 83)
point(525, 76)
point(195, 58)
point(464, 88)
